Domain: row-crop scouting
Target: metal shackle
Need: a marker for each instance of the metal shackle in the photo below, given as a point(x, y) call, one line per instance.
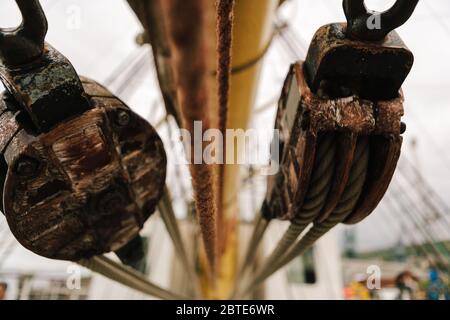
point(359, 18)
point(25, 43)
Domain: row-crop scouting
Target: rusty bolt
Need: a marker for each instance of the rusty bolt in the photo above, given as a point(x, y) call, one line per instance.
point(123, 118)
point(27, 167)
point(402, 128)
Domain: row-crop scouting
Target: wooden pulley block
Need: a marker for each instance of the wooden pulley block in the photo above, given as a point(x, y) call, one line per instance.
point(80, 172)
point(87, 186)
point(302, 119)
point(348, 87)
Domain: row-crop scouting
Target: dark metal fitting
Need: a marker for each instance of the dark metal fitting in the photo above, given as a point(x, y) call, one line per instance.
point(367, 25)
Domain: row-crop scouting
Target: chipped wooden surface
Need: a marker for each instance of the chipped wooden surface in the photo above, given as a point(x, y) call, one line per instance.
point(302, 118)
point(385, 152)
point(94, 183)
point(373, 70)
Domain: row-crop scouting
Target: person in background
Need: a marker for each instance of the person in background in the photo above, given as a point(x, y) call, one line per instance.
point(3, 289)
point(406, 283)
point(436, 289)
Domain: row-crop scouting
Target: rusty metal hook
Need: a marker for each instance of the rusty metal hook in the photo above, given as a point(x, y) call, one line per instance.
point(364, 24)
point(25, 43)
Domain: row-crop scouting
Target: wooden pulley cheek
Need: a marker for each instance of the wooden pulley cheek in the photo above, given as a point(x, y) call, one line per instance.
point(296, 154)
point(80, 171)
point(344, 62)
point(343, 67)
point(385, 148)
point(303, 120)
point(86, 186)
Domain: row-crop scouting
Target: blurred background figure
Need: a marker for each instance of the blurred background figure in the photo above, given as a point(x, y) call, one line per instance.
point(407, 284)
point(3, 289)
point(436, 288)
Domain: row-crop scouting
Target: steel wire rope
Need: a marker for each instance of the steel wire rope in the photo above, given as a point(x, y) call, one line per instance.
point(416, 217)
point(437, 221)
point(315, 198)
point(399, 218)
point(426, 189)
point(128, 277)
point(343, 209)
point(168, 216)
point(405, 210)
point(261, 223)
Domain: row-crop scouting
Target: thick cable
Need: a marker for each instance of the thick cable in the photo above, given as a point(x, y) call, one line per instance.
point(128, 277)
point(343, 209)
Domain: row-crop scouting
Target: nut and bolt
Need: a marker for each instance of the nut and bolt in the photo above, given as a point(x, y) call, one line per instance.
point(123, 118)
point(27, 167)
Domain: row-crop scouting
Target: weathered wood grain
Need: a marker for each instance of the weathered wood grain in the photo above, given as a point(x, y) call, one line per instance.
point(85, 187)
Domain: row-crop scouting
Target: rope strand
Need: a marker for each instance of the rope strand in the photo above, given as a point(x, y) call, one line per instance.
point(344, 208)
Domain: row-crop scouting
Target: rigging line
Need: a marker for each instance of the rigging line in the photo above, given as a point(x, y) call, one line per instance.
point(424, 185)
point(437, 218)
point(411, 234)
point(286, 51)
point(130, 60)
point(315, 199)
point(393, 196)
point(224, 31)
point(417, 216)
point(318, 189)
point(271, 103)
point(261, 225)
point(225, 19)
point(168, 216)
point(297, 46)
point(381, 229)
point(436, 254)
point(126, 75)
point(259, 229)
point(389, 227)
point(289, 46)
point(297, 41)
point(389, 202)
point(244, 181)
point(128, 277)
point(434, 214)
point(294, 36)
point(136, 72)
point(444, 157)
point(345, 207)
point(422, 211)
point(11, 245)
point(425, 230)
point(3, 223)
point(347, 202)
point(182, 187)
point(439, 19)
point(417, 224)
point(252, 189)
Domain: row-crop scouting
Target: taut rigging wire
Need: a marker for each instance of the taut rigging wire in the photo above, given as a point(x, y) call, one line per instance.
point(128, 277)
point(314, 201)
point(343, 209)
